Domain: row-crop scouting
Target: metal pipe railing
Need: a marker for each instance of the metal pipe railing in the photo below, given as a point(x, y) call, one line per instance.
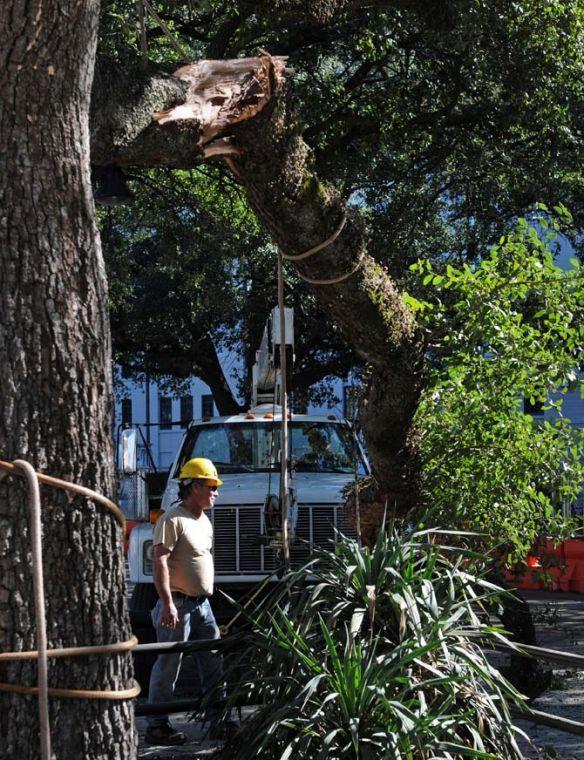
point(566, 725)
point(196, 645)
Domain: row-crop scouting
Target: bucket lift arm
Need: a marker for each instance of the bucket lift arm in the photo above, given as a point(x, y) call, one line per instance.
point(269, 387)
point(266, 372)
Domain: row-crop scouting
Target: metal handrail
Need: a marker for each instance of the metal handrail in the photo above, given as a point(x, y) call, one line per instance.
point(535, 716)
point(541, 653)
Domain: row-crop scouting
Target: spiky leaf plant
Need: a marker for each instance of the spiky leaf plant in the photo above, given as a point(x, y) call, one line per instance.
point(375, 653)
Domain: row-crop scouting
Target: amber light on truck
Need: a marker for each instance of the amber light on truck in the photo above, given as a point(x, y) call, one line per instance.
point(155, 514)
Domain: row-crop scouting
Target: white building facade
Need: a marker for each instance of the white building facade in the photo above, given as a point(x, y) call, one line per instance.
point(162, 417)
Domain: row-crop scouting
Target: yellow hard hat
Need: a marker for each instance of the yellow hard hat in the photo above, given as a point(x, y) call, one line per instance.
point(200, 468)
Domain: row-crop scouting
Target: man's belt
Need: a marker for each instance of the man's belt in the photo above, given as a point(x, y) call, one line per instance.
point(195, 599)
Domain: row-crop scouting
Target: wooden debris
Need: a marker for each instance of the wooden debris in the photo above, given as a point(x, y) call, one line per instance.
point(222, 93)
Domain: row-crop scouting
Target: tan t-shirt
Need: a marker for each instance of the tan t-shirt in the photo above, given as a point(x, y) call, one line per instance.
point(190, 541)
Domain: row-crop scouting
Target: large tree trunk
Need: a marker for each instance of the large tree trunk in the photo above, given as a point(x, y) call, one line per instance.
point(270, 159)
point(56, 386)
point(301, 212)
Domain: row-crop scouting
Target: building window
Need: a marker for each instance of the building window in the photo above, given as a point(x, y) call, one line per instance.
point(165, 409)
point(535, 408)
point(186, 410)
point(350, 401)
point(126, 411)
point(207, 405)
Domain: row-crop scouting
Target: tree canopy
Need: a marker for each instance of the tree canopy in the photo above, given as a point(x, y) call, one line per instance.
point(507, 329)
point(429, 126)
point(191, 273)
point(456, 116)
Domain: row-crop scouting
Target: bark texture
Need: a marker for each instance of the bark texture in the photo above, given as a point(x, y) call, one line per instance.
point(56, 388)
point(301, 212)
point(273, 163)
point(196, 104)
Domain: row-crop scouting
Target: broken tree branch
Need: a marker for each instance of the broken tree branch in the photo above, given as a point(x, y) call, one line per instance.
point(239, 110)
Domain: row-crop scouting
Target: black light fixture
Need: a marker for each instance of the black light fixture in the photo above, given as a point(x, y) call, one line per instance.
point(112, 189)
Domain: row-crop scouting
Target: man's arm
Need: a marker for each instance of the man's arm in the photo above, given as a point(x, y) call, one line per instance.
point(168, 614)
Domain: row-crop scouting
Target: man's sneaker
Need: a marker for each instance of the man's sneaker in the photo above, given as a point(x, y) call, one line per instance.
point(164, 734)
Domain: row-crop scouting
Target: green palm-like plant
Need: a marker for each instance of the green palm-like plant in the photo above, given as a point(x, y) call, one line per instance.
point(376, 653)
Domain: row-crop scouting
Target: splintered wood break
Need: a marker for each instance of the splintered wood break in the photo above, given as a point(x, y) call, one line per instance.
point(222, 146)
point(222, 93)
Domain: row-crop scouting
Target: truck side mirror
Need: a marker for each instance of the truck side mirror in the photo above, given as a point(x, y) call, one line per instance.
point(129, 451)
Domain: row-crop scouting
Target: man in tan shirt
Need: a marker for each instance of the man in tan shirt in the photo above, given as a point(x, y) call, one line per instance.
point(183, 576)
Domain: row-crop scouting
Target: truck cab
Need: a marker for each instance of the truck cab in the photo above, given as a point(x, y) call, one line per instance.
point(324, 457)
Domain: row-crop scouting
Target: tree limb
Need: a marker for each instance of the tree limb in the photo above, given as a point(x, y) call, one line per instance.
point(273, 164)
point(209, 369)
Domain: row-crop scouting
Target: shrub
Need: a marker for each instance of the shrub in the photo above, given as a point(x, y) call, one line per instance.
point(371, 653)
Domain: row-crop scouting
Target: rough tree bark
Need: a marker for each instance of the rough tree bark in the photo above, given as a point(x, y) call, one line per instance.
point(301, 212)
point(55, 392)
point(267, 154)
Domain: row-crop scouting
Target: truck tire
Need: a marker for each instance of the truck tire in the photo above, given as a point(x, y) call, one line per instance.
point(143, 661)
point(143, 599)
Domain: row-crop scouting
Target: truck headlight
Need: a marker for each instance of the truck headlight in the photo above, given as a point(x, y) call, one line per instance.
point(147, 551)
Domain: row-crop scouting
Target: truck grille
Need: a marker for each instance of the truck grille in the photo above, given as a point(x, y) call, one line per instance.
point(237, 530)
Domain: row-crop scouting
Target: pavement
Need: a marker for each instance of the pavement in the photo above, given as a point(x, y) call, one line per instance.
point(197, 745)
point(559, 619)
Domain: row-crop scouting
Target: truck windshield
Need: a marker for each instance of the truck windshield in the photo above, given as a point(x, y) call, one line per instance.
point(255, 447)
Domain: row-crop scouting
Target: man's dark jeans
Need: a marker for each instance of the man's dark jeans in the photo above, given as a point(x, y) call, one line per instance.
point(193, 617)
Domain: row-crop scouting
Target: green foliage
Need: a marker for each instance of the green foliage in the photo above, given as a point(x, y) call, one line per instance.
point(120, 31)
point(375, 653)
point(167, 293)
point(458, 118)
point(508, 328)
point(442, 121)
point(190, 268)
point(447, 120)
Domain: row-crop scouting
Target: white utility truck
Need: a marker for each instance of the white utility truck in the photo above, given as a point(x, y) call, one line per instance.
point(323, 454)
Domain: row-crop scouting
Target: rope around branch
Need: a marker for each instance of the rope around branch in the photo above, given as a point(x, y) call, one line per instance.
point(317, 248)
point(334, 280)
point(130, 693)
point(121, 646)
point(321, 246)
point(32, 654)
